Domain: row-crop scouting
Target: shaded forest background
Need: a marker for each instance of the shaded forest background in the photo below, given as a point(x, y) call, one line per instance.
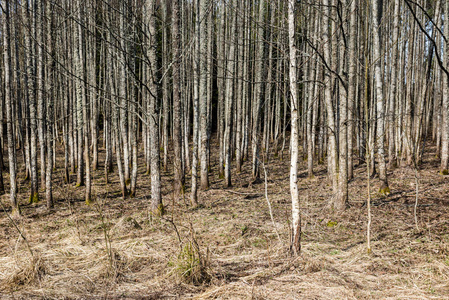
point(171, 104)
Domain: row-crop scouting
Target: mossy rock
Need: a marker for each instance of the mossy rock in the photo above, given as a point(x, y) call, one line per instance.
point(444, 172)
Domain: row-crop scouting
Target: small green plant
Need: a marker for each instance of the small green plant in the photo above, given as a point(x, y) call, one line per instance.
point(384, 190)
point(335, 252)
point(244, 229)
point(190, 266)
point(331, 224)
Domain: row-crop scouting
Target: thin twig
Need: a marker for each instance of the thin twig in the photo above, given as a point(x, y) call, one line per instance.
point(18, 229)
point(269, 204)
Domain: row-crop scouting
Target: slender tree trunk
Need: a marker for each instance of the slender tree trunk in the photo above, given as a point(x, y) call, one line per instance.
point(157, 207)
point(229, 98)
point(80, 93)
point(40, 88)
point(392, 160)
point(123, 91)
point(445, 106)
point(203, 7)
point(296, 217)
point(31, 109)
point(352, 83)
point(342, 198)
point(258, 92)
point(177, 139)
point(331, 128)
point(379, 98)
point(49, 117)
point(9, 105)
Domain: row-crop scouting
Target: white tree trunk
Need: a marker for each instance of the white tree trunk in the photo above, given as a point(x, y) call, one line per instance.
point(296, 218)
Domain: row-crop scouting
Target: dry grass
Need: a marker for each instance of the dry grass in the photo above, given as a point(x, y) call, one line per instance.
point(228, 248)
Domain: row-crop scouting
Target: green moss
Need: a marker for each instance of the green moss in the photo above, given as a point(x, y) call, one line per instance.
point(16, 211)
point(88, 201)
point(78, 184)
point(384, 190)
point(444, 172)
point(183, 189)
point(159, 211)
point(331, 224)
point(34, 198)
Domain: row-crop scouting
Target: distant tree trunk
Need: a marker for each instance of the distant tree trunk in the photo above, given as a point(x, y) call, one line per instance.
point(240, 103)
point(165, 90)
point(40, 87)
point(204, 163)
point(392, 160)
point(85, 110)
point(380, 98)
point(331, 128)
point(229, 99)
point(50, 115)
point(258, 91)
point(179, 185)
point(9, 106)
point(80, 93)
point(31, 109)
point(296, 217)
point(445, 106)
point(123, 91)
point(114, 64)
point(352, 83)
point(311, 98)
point(221, 89)
point(196, 78)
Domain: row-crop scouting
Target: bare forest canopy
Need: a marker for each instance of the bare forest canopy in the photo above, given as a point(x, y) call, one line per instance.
point(331, 82)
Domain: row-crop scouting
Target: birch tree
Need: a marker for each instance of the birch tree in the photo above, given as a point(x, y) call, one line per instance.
point(296, 219)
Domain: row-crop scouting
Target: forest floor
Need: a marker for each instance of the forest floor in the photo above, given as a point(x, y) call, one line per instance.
point(229, 248)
